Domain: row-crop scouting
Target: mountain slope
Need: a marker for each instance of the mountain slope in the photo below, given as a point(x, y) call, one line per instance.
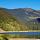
point(21, 19)
point(27, 16)
point(9, 23)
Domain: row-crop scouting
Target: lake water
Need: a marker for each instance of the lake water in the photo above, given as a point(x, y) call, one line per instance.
point(25, 33)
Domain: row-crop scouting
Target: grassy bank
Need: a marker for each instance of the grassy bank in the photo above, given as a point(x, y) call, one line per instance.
point(7, 36)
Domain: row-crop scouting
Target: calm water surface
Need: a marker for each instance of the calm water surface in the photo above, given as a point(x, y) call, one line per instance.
point(26, 33)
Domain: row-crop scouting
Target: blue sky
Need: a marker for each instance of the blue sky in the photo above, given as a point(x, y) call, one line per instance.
point(10, 4)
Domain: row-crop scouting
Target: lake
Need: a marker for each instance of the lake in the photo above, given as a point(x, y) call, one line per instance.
point(25, 33)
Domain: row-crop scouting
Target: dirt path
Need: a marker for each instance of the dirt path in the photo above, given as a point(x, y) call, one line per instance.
point(22, 39)
point(1, 30)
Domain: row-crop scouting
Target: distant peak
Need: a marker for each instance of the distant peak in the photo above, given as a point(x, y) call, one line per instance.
point(2, 8)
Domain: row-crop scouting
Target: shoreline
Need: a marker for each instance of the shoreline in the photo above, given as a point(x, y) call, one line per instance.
point(23, 39)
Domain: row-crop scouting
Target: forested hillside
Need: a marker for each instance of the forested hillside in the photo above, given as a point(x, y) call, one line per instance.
point(19, 19)
point(9, 23)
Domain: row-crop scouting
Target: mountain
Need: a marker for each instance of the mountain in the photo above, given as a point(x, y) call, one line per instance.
point(27, 16)
point(21, 19)
point(9, 22)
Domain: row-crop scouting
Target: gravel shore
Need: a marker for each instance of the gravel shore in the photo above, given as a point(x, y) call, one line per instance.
point(22, 39)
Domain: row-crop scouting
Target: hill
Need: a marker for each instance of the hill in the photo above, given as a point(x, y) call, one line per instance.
point(9, 22)
point(28, 17)
point(22, 19)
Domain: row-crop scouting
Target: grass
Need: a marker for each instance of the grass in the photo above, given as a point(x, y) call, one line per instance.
point(7, 36)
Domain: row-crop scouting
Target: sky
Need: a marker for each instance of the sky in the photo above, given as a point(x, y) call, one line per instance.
point(13, 4)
